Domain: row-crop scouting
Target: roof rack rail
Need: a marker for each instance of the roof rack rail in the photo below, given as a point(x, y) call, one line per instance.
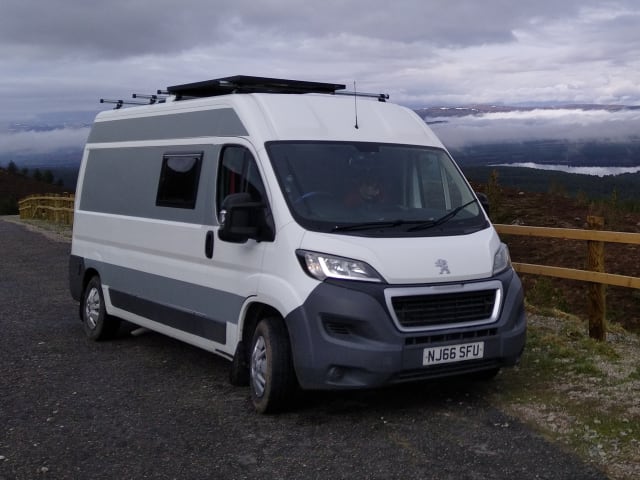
point(249, 84)
point(120, 103)
point(151, 99)
point(382, 97)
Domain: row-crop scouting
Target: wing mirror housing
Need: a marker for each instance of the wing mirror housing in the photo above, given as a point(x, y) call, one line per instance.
point(242, 219)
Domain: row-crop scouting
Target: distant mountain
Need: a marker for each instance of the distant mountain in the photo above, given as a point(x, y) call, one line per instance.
point(53, 121)
point(51, 141)
point(460, 111)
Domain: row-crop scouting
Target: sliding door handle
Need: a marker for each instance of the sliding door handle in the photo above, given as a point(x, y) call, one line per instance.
point(208, 244)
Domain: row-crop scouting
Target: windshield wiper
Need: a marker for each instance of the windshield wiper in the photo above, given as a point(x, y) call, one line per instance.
point(371, 225)
point(443, 219)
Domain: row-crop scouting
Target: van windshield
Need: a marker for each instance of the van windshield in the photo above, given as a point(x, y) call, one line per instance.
point(371, 189)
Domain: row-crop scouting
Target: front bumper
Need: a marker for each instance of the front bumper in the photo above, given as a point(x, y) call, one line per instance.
point(343, 337)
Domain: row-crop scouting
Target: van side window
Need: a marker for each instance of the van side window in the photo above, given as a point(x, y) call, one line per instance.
point(239, 174)
point(178, 186)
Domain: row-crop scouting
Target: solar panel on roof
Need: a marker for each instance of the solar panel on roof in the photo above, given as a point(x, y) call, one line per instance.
point(249, 84)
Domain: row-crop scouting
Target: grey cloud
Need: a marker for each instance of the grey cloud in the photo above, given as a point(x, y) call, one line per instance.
point(571, 125)
point(59, 53)
point(121, 28)
point(28, 142)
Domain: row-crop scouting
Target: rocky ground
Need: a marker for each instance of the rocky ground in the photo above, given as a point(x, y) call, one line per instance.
point(579, 393)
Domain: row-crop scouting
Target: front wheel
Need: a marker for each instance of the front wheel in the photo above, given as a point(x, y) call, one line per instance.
point(272, 378)
point(97, 324)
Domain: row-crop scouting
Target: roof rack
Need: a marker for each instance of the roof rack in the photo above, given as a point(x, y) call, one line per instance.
point(241, 84)
point(249, 84)
point(150, 100)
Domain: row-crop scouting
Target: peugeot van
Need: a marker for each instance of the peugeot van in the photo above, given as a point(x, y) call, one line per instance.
point(315, 238)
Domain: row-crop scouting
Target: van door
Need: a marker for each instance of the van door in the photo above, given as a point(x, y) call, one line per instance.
point(236, 264)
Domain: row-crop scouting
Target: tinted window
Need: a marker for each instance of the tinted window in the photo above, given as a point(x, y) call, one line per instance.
point(239, 174)
point(178, 186)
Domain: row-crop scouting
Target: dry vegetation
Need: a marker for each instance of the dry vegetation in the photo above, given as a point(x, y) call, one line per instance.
point(557, 210)
point(577, 392)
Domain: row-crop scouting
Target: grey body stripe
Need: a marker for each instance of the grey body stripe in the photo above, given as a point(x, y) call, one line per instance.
point(186, 321)
point(218, 122)
point(124, 181)
point(207, 303)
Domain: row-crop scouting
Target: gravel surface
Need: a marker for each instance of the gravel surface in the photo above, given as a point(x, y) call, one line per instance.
point(151, 407)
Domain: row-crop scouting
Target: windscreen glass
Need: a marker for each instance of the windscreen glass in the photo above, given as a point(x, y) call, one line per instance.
point(374, 189)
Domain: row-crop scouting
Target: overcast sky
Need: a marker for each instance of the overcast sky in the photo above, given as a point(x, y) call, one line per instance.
point(63, 55)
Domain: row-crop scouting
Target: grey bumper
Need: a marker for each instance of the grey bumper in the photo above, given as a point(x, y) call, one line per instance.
point(344, 337)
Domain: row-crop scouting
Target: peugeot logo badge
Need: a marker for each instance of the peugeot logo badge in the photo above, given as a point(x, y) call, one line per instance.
point(443, 266)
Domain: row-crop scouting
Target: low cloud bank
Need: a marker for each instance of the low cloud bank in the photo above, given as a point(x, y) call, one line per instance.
point(538, 124)
point(35, 142)
point(595, 171)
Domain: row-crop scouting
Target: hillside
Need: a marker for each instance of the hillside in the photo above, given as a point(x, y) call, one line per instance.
point(13, 187)
point(556, 209)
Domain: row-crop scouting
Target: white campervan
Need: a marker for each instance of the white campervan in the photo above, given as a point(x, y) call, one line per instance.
point(314, 239)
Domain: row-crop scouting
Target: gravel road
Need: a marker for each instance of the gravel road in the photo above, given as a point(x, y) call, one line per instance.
point(151, 407)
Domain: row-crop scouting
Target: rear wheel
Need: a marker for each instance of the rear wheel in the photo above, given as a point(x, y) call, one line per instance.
point(272, 378)
point(97, 324)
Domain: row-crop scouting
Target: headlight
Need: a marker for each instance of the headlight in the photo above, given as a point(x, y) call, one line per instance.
point(321, 266)
point(502, 260)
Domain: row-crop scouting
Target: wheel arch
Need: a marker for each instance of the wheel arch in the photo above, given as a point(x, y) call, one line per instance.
point(255, 312)
point(87, 275)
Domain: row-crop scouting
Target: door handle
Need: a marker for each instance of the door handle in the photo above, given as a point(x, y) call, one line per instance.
point(208, 244)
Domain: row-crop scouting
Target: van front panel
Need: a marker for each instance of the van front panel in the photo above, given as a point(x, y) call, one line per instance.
point(344, 336)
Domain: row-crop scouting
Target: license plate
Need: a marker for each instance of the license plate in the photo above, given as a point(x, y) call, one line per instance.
point(453, 353)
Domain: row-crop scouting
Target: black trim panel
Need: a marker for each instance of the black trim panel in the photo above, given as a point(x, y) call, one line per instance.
point(76, 275)
point(189, 322)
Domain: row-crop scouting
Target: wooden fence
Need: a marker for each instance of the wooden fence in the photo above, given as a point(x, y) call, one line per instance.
point(59, 209)
point(50, 207)
point(594, 274)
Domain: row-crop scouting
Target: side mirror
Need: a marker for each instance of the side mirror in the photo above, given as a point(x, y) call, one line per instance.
point(484, 201)
point(242, 219)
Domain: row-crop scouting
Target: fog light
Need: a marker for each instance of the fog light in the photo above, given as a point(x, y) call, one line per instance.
point(335, 374)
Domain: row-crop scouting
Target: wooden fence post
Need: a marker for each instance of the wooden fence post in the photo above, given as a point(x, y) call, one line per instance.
point(596, 291)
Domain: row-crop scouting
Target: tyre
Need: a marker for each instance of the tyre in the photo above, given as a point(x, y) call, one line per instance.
point(272, 378)
point(97, 324)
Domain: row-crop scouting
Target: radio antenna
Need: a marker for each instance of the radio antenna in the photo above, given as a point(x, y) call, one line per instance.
point(355, 102)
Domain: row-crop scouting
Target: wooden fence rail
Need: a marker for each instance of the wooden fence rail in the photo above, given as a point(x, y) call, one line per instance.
point(594, 274)
point(50, 207)
point(59, 209)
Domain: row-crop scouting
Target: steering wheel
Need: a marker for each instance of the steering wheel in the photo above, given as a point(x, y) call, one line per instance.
point(308, 195)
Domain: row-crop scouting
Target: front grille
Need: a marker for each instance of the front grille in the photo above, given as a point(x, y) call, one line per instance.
point(451, 337)
point(424, 311)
